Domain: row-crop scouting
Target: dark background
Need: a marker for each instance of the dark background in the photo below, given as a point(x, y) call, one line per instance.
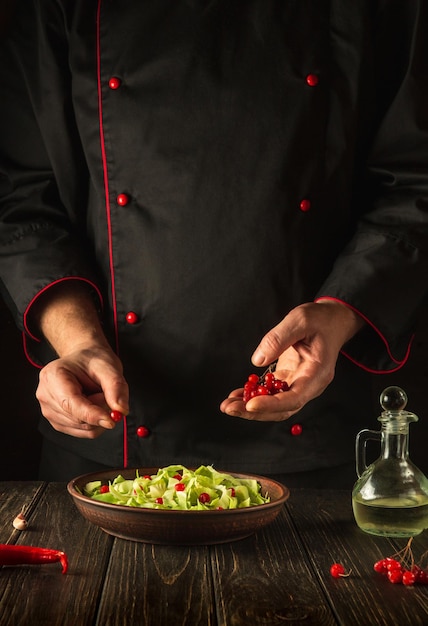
point(20, 411)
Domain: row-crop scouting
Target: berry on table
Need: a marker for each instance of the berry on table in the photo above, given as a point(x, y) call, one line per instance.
point(338, 571)
point(380, 566)
point(422, 577)
point(392, 564)
point(408, 578)
point(395, 576)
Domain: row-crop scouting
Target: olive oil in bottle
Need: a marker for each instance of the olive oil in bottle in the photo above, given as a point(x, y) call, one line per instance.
point(390, 497)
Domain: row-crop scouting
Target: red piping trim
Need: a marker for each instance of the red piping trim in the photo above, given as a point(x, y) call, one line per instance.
point(125, 442)
point(105, 176)
point(373, 371)
point(108, 207)
point(399, 363)
point(27, 354)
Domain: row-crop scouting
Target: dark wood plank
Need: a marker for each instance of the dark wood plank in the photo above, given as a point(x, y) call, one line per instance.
point(150, 585)
point(325, 522)
point(40, 594)
point(267, 579)
point(279, 575)
point(14, 496)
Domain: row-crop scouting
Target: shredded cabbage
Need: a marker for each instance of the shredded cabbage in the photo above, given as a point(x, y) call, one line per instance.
point(202, 489)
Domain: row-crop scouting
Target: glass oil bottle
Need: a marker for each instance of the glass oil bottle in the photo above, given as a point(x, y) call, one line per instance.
point(390, 497)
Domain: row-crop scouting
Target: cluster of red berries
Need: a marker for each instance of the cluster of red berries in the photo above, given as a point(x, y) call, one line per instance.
point(398, 568)
point(397, 572)
point(265, 385)
point(401, 567)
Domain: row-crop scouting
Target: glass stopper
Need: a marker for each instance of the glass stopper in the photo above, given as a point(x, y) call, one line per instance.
point(393, 399)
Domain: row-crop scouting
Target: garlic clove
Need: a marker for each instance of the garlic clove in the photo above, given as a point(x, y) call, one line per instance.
point(20, 523)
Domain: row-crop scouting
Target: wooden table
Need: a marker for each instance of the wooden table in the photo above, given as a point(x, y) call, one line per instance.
point(279, 576)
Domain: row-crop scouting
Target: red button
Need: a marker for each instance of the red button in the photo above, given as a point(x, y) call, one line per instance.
point(296, 430)
point(143, 431)
point(123, 199)
point(114, 82)
point(305, 205)
point(131, 317)
point(312, 80)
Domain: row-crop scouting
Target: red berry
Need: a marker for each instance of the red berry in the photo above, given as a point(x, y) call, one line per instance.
point(392, 564)
point(204, 498)
point(296, 430)
point(262, 390)
point(395, 576)
point(179, 486)
point(159, 500)
point(337, 570)
point(104, 489)
point(269, 380)
point(116, 416)
point(380, 566)
point(177, 476)
point(277, 385)
point(421, 576)
point(253, 379)
point(409, 578)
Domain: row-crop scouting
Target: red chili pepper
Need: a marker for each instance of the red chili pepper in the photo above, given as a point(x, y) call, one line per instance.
point(30, 555)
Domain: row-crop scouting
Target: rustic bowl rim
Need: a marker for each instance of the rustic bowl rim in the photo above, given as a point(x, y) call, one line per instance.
point(98, 475)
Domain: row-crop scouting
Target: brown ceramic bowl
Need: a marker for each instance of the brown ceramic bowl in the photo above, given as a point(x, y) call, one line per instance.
point(176, 527)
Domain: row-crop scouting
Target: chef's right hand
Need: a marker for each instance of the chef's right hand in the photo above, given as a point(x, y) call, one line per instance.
point(77, 391)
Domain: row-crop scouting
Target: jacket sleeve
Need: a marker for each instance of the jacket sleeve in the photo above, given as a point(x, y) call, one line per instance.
point(42, 238)
point(383, 271)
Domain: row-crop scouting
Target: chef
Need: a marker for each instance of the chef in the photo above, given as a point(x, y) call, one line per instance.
point(193, 191)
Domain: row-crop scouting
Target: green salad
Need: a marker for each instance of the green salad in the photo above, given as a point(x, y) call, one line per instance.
point(176, 487)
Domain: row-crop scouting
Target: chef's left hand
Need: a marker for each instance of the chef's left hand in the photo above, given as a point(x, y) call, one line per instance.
point(306, 344)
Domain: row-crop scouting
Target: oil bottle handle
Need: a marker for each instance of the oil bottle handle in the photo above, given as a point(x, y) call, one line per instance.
point(360, 448)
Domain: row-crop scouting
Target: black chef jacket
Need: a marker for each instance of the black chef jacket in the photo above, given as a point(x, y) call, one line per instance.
point(206, 166)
